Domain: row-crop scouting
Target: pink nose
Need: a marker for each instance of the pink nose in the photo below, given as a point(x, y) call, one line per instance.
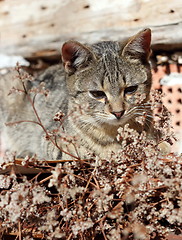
point(118, 115)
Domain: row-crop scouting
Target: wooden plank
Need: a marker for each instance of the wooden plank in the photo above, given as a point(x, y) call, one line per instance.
point(30, 26)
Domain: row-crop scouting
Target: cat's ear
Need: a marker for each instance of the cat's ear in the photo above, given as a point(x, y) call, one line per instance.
point(75, 55)
point(138, 46)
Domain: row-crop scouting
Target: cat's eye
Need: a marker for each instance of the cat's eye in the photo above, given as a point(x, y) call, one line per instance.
point(130, 90)
point(98, 94)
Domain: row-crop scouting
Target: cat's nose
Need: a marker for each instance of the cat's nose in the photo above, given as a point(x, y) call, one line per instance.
point(118, 115)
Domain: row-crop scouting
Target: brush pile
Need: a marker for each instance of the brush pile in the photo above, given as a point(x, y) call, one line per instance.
point(133, 194)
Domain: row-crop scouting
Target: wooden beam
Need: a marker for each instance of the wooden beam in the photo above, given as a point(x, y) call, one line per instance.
point(30, 26)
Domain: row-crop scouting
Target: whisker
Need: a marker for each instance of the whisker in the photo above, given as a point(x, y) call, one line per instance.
point(138, 111)
point(133, 113)
point(148, 121)
point(147, 115)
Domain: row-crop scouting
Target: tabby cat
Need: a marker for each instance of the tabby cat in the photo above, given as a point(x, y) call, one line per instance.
point(100, 88)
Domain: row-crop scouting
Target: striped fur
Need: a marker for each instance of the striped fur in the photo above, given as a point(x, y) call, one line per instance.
point(99, 93)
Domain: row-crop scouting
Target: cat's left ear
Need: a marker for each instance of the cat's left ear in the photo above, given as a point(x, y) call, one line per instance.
point(75, 56)
point(138, 46)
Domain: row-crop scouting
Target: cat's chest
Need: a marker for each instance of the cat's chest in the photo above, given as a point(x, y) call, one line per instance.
point(86, 147)
point(91, 138)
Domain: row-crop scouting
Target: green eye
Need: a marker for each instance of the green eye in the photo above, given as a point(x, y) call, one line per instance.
point(130, 90)
point(98, 94)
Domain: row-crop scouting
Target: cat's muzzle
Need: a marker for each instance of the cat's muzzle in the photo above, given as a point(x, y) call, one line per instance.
point(118, 115)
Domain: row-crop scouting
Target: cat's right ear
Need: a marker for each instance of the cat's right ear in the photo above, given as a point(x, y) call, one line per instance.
point(138, 46)
point(75, 56)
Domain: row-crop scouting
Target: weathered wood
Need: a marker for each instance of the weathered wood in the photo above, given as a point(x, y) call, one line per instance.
point(30, 26)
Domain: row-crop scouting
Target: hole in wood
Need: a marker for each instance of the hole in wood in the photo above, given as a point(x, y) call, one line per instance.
point(180, 90)
point(86, 6)
point(177, 110)
point(136, 19)
point(169, 101)
point(170, 90)
point(178, 123)
point(43, 7)
point(171, 11)
point(24, 36)
point(180, 100)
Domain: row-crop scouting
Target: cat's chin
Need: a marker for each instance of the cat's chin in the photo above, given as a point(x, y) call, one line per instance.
point(116, 122)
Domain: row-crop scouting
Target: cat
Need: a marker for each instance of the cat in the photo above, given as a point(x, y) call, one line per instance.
point(99, 88)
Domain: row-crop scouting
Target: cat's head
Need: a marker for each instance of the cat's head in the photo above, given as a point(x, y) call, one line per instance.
point(110, 77)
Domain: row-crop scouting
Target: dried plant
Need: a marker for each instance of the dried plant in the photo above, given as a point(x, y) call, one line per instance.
point(134, 194)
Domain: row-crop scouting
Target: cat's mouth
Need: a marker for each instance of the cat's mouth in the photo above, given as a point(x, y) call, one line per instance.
point(117, 120)
point(119, 114)
point(114, 118)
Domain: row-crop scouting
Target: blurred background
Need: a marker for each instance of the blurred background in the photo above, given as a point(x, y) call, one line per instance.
point(32, 32)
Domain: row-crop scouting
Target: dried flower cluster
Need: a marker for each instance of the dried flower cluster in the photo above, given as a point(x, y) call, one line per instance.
point(134, 194)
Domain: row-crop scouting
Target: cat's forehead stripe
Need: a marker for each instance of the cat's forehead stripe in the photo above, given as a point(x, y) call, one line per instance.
point(102, 47)
point(109, 53)
point(110, 63)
